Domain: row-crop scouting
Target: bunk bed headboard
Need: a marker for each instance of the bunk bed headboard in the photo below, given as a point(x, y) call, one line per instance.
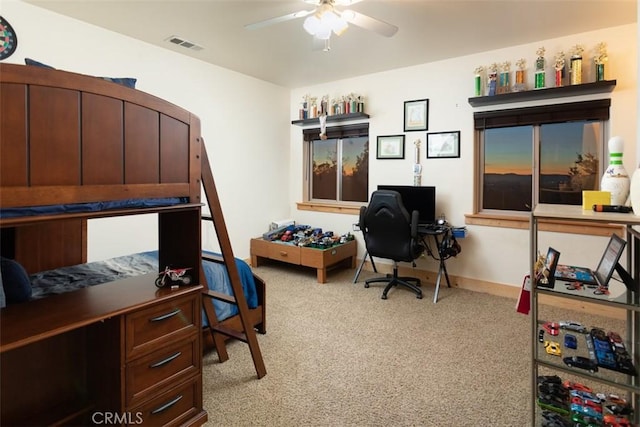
point(68, 138)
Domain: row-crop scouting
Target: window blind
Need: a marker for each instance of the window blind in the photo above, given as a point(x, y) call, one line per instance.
point(557, 113)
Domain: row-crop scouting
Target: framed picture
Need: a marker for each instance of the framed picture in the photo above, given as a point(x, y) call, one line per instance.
point(416, 115)
point(390, 147)
point(547, 276)
point(443, 144)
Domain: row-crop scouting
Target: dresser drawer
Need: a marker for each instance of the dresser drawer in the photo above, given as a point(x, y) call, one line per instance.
point(173, 407)
point(161, 368)
point(165, 322)
point(284, 253)
point(260, 247)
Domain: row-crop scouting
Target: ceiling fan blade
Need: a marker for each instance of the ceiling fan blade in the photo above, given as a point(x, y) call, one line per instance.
point(369, 23)
point(278, 19)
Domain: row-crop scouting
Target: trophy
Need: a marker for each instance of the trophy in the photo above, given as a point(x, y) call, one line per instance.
point(559, 67)
point(576, 65)
point(540, 83)
point(520, 86)
point(503, 84)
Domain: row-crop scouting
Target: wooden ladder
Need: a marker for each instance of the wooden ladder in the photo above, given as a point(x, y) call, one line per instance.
point(248, 335)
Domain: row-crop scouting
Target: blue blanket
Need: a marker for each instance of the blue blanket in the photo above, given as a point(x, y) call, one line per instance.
point(94, 273)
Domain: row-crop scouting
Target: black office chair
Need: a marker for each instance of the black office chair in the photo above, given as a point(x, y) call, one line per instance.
point(390, 232)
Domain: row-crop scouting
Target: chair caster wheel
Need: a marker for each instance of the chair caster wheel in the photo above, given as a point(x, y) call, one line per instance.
point(366, 285)
point(383, 297)
point(419, 296)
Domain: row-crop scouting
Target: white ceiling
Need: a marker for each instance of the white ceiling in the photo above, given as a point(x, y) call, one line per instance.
point(283, 53)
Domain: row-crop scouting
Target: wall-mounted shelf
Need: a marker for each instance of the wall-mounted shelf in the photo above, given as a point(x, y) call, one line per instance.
point(334, 118)
point(546, 93)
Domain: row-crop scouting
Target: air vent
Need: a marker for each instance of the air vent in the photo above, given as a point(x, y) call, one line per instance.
point(181, 41)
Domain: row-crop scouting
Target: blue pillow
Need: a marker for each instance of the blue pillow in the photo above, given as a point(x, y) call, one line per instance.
point(30, 61)
point(15, 281)
point(125, 81)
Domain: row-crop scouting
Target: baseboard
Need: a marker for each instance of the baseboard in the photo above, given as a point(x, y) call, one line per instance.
point(499, 289)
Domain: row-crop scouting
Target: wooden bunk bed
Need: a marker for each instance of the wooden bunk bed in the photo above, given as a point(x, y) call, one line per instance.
point(101, 351)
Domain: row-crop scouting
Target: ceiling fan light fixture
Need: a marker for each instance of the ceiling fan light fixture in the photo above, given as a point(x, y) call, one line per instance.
point(312, 25)
point(323, 34)
point(322, 23)
point(336, 23)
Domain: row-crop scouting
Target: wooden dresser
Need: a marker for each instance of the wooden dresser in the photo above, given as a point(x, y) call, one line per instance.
point(123, 352)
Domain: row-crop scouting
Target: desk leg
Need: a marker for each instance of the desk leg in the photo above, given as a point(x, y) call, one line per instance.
point(441, 270)
point(364, 258)
point(446, 274)
point(438, 278)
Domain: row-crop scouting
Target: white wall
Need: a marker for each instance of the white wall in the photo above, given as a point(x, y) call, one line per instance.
point(244, 121)
point(448, 85)
point(257, 158)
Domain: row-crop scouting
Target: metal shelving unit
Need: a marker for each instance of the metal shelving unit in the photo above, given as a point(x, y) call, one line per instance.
point(620, 298)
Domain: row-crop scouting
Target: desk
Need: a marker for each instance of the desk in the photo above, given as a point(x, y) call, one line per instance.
point(439, 234)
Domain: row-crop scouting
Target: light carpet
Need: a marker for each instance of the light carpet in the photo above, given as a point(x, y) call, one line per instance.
point(338, 355)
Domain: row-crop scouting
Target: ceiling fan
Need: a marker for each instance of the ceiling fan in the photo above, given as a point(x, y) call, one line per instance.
point(325, 19)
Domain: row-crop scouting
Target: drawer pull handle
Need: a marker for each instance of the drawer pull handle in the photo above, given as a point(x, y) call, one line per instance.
point(165, 316)
point(283, 253)
point(165, 361)
point(166, 406)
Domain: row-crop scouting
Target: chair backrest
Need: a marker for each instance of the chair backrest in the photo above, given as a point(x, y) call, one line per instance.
point(389, 230)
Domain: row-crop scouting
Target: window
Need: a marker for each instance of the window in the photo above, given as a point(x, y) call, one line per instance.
point(338, 167)
point(535, 155)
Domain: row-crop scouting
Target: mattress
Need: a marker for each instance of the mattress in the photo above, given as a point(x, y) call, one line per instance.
point(74, 277)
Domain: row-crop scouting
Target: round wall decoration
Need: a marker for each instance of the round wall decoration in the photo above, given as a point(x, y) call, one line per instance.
point(8, 39)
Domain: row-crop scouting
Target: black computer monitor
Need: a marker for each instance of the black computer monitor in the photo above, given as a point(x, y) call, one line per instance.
point(421, 199)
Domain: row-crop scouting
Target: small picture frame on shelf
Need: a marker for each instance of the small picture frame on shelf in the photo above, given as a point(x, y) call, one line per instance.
point(547, 276)
point(416, 115)
point(443, 145)
point(390, 147)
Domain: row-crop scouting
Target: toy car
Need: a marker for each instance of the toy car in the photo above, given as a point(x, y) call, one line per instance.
point(585, 395)
point(553, 419)
point(616, 400)
point(549, 379)
point(596, 405)
point(552, 328)
point(583, 420)
point(573, 326)
point(598, 334)
point(618, 409)
point(570, 341)
point(591, 412)
point(553, 389)
point(553, 348)
point(577, 386)
point(541, 335)
point(614, 337)
point(581, 362)
point(616, 421)
point(562, 409)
